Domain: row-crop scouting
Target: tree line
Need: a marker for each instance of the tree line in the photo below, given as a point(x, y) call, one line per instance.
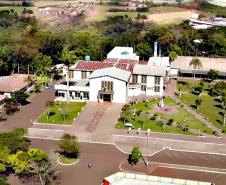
point(27, 47)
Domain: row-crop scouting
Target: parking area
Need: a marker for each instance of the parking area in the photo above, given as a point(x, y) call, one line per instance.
point(167, 156)
point(216, 178)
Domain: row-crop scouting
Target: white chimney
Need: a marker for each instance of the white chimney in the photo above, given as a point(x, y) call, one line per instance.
point(155, 49)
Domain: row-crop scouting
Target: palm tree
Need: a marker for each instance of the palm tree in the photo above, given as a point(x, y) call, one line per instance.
point(223, 104)
point(49, 104)
point(195, 63)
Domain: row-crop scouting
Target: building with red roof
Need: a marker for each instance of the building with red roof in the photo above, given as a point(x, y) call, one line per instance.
point(114, 79)
point(13, 83)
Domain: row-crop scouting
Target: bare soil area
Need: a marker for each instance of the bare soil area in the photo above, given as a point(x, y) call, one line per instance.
point(170, 17)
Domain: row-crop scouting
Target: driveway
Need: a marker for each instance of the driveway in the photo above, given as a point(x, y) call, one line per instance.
point(106, 159)
point(28, 113)
point(102, 164)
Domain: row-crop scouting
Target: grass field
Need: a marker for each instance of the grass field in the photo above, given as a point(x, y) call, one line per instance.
point(209, 108)
point(100, 13)
point(18, 9)
point(44, 79)
point(207, 7)
point(188, 85)
point(60, 114)
point(143, 121)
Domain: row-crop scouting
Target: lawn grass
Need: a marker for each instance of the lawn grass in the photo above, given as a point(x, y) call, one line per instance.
point(207, 7)
point(18, 9)
point(187, 85)
point(182, 117)
point(56, 115)
point(44, 79)
point(103, 13)
point(209, 108)
point(66, 160)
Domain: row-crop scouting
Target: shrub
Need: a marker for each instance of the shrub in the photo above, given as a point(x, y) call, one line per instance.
point(153, 118)
point(134, 156)
point(170, 122)
point(69, 146)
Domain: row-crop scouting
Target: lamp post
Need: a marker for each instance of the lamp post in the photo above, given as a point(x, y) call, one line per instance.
point(148, 132)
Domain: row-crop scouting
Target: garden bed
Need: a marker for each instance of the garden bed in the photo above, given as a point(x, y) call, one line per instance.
point(178, 120)
point(67, 161)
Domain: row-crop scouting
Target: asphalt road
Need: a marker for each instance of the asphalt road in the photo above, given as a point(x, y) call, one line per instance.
point(190, 159)
point(28, 113)
point(216, 178)
point(105, 161)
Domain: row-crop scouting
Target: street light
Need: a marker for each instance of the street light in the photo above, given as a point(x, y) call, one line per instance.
point(148, 132)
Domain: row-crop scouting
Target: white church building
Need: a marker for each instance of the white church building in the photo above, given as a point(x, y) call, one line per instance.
point(116, 79)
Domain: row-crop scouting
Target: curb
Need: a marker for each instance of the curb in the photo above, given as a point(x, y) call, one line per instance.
point(58, 161)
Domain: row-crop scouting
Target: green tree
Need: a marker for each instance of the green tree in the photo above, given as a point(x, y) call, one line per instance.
point(144, 50)
point(20, 97)
point(69, 146)
point(30, 80)
point(134, 156)
point(37, 87)
point(4, 153)
point(10, 106)
point(42, 65)
point(14, 140)
point(172, 56)
point(213, 74)
point(49, 104)
point(198, 102)
point(195, 63)
point(223, 104)
point(3, 180)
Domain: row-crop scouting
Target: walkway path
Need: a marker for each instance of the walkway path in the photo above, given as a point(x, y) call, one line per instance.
point(170, 92)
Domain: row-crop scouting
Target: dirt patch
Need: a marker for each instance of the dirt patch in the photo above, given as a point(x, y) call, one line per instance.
point(168, 17)
point(165, 110)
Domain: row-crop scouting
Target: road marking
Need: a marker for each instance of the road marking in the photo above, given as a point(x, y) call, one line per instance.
point(47, 138)
point(191, 169)
point(197, 152)
point(175, 140)
point(45, 129)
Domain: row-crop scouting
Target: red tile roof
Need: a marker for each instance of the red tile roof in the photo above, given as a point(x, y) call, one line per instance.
point(94, 65)
point(91, 66)
point(13, 83)
point(2, 97)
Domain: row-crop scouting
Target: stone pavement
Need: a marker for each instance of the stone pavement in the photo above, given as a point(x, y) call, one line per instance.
point(104, 124)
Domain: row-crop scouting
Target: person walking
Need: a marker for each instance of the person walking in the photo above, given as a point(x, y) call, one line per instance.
point(89, 164)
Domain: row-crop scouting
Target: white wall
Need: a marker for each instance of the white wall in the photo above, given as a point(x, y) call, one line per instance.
point(119, 88)
point(150, 87)
point(77, 75)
